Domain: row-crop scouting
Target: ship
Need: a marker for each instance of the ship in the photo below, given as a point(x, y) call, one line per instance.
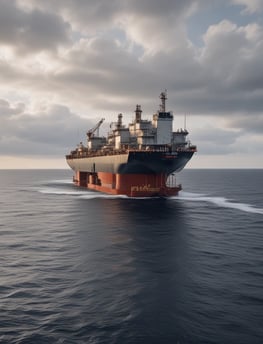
point(138, 160)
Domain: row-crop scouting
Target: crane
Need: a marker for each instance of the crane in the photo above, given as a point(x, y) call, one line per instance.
point(91, 132)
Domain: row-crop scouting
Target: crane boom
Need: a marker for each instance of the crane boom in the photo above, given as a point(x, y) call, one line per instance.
point(91, 132)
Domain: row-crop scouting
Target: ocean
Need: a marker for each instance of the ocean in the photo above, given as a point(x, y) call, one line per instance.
point(83, 267)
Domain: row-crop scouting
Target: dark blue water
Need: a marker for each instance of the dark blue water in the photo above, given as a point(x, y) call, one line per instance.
point(82, 267)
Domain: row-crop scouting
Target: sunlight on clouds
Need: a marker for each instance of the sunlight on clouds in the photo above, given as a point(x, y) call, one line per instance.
point(251, 5)
point(253, 32)
point(7, 53)
point(42, 63)
point(25, 5)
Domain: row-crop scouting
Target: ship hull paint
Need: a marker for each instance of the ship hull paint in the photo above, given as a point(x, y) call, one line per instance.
point(133, 163)
point(135, 185)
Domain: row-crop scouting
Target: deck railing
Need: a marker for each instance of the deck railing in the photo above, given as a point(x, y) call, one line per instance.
point(78, 154)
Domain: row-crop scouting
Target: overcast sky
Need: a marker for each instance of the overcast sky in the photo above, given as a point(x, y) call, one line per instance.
point(64, 64)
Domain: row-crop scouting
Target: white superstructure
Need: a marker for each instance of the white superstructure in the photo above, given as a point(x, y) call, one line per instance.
point(140, 134)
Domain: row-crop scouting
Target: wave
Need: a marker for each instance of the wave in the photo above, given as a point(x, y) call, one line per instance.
point(219, 201)
point(183, 196)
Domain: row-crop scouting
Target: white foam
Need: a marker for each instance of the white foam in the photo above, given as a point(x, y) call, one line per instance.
point(183, 196)
point(57, 191)
point(219, 201)
point(61, 181)
point(85, 194)
point(93, 195)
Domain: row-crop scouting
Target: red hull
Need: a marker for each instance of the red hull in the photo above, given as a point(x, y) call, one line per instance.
point(132, 185)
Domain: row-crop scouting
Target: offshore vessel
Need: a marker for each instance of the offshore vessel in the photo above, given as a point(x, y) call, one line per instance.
point(138, 160)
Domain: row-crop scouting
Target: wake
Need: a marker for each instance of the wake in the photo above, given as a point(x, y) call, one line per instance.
point(219, 201)
point(83, 194)
point(64, 187)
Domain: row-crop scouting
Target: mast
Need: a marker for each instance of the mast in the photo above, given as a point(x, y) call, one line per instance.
point(138, 113)
point(163, 97)
point(119, 123)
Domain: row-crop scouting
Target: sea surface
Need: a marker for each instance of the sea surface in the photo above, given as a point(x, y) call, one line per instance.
point(78, 266)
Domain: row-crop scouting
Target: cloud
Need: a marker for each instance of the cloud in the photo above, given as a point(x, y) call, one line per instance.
point(249, 124)
point(6, 109)
point(98, 58)
point(241, 136)
point(215, 140)
point(159, 27)
point(224, 74)
point(31, 31)
point(232, 63)
point(52, 131)
point(85, 16)
point(250, 5)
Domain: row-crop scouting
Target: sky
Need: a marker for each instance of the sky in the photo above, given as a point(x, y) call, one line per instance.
point(65, 64)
